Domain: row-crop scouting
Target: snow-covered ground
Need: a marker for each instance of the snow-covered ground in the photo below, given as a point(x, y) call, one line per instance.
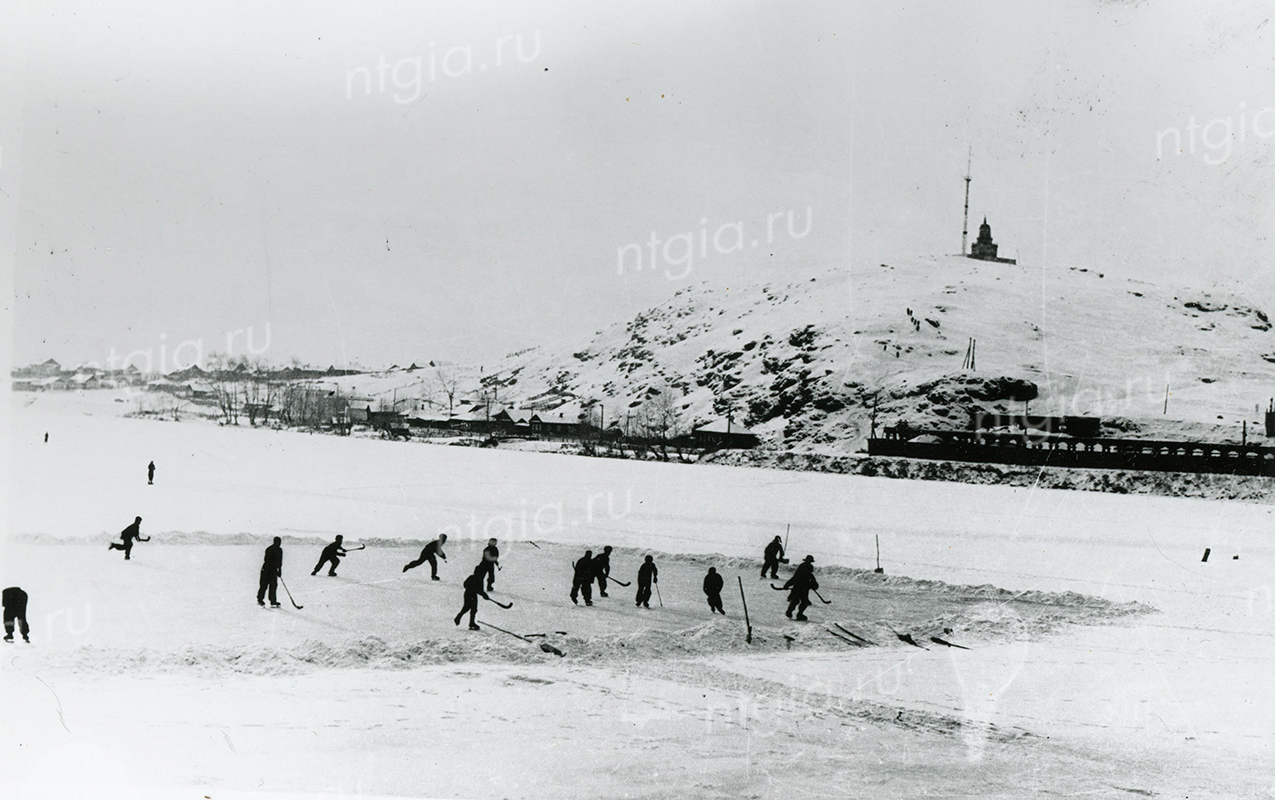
point(163, 674)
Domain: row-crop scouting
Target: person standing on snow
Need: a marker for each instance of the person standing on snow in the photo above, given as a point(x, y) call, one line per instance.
point(271, 572)
point(800, 585)
point(490, 563)
point(602, 569)
point(713, 588)
point(150, 473)
point(582, 580)
point(14, 601)
point(128, 536)
point(330, 553)
point(647, 574)
point(772, 558)
point(434, 548)
point(473, 590)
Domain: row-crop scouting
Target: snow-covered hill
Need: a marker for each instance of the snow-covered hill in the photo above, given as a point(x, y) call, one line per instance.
point(802, 361)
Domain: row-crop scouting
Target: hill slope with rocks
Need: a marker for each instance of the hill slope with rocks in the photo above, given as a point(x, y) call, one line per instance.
point(803, 361)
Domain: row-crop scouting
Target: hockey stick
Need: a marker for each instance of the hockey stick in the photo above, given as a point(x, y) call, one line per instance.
point(825, 602)
point(855, 635)
point(545, 646)
point(510, 604)
point(845, 639)
point(617, 580)
point(657, 594)
point(285, 589)
point(355, 549)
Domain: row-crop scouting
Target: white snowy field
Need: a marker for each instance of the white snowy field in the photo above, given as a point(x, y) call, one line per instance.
point(162, 675)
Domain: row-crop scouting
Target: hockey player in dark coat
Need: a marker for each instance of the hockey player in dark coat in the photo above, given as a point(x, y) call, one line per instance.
point(434, 548)
point(582, 579)
point(14, 601)
point(271, 572)
point(647, 574)
point(772, 557)
point(150, 473)
point(490, 563)
point(473, 590)
point(128, 536)
point(713, 588)
point(799, 587)
point(602, 569)
point(331, 553)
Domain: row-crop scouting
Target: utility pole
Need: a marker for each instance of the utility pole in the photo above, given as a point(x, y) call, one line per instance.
point(965, 225)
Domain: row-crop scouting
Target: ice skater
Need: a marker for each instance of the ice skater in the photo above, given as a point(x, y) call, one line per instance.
point(473, 590)
point(271, 572)
point(647, 574)
point(128, 536)
point(150, 474)
point(602, 569)
point(799, 587)
point(15, 611)
point(332, 553)
point(434, 548)
point(713, 588)
point(773, 557)
point(490, 563)
point(582, 580)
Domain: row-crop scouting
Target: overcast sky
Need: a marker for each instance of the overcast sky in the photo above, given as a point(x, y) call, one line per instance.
point(182, 171)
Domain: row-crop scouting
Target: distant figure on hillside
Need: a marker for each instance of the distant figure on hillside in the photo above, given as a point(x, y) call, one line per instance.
point(271, 572)
point(602, 569)
point(127, 537)
point(800, 585)
point(773, 557)
point(713, 588)
point(15, 611)
point(490, 563)
point(473, 590)
point(434, 548)
point(647, 574)
point(46, 437)
point(582, 580)
point(331, 553)
point(150, 473)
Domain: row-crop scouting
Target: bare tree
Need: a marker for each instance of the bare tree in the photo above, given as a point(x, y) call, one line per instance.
point(661, 419)
point(446, 380)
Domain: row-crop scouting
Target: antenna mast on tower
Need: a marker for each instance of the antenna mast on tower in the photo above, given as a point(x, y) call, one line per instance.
point(965, 225)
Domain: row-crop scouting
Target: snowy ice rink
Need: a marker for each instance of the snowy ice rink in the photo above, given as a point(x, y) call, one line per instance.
point(162, 674)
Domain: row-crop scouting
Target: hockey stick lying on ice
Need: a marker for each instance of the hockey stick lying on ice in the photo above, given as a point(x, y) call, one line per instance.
point(510, 604)
point(545, 646)
point(285, 589)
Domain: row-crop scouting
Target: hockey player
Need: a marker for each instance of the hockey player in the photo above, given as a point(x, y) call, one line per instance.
point(799, 587)
point(773, 557)
point(331, 553)
point(473, 590)
point(647, 574)
point(434, 548)
point(14, 601)
point(582, 580)
point(128, 536)
point(271, 572)
point(713, 588)
point(602, 569)
point(150, 473)
point(490, 563)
